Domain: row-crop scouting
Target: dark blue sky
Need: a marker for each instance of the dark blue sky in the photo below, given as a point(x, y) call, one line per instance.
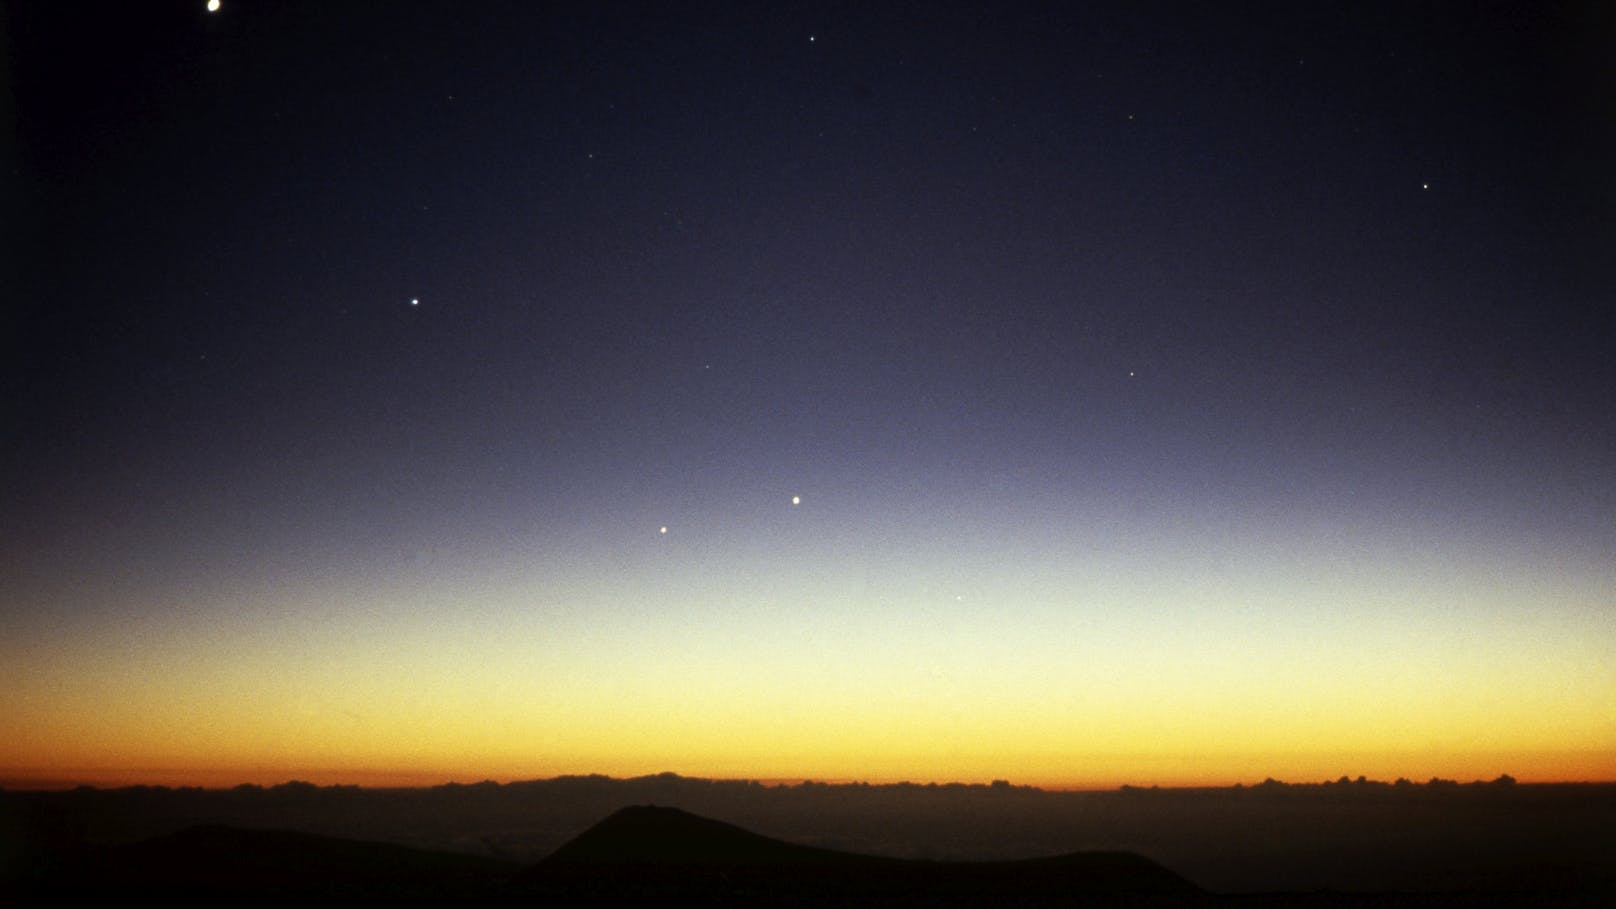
point(1147, 270)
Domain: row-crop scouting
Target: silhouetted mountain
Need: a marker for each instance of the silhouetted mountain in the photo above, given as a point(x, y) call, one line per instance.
point(220, 862)
point(646, 853)
point(1275, 844)
point(648, 834)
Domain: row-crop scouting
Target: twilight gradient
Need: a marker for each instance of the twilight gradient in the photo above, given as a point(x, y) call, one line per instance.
point(1169, 399)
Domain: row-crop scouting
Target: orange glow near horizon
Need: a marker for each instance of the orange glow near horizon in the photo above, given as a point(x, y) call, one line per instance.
point(1100, 772)
point(1109, 673)
point(1545, 769)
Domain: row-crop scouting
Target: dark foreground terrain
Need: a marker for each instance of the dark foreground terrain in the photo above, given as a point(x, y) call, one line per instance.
point(648, 854)
point(1437, 845)
point(639, 855)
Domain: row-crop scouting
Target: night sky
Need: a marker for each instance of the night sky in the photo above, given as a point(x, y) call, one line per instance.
point(419, 391)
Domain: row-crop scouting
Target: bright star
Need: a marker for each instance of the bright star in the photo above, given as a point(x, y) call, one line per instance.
point(663, 530)
point(415, 301)
point(796, 500)
point(213, 6)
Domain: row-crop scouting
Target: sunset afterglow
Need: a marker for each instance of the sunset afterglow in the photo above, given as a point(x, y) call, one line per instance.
point(1068, 394)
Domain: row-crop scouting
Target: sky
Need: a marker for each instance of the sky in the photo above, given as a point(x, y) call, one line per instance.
point(1070, 394)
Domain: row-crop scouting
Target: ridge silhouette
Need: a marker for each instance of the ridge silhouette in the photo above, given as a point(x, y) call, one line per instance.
point(651, 834)
point(57, 847)
point(217, 861)
point(646, 852)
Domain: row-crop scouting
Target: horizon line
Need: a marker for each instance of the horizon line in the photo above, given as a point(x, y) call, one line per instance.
point(59, 782)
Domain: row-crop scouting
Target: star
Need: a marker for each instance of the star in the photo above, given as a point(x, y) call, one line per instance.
point(663, 530)
point(796, 500)
point(1425, 186)
point(213, 6)
point(415, 301)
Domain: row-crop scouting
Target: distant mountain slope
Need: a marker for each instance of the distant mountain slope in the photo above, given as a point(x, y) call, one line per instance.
point(217, 861)
point(652, 834)
point(648, 853)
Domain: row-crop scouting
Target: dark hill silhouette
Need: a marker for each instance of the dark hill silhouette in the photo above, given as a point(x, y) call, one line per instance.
point(218, 862)
point(649, 834)
point(1331, 846)
point(645, 853)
